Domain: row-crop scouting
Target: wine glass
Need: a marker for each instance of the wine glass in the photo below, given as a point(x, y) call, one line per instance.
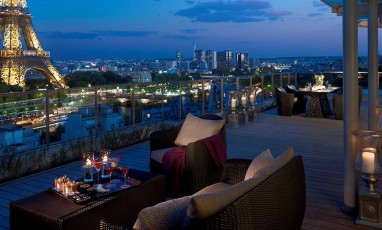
point(97, 165)
point(124, 171)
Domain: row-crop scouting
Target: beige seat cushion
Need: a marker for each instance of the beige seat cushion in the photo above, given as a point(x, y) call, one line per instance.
point(212, 188)
point(195, 128)
point(163, 216)
point(157, 155)
point(262, 160)
point(205, 205)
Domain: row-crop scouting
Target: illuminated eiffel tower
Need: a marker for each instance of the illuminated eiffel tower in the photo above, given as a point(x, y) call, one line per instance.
point(15, 25)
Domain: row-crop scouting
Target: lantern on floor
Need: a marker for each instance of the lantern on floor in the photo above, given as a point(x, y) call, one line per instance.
point(369, 164)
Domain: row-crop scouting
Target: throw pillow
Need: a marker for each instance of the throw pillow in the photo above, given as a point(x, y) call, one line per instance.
point(163, 216)
point(262, 160)
point(195, 128)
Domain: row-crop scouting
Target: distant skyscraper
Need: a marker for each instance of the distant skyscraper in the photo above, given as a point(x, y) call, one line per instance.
point(199, 57)
point(211, 59)
point(225, 60)
point(242, 61)
point(179, 59)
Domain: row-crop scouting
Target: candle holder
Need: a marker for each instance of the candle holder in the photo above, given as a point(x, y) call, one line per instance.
point(244, 98)
point(369, 164)
point(87, 164)
point(233, 105)
point(105, 155)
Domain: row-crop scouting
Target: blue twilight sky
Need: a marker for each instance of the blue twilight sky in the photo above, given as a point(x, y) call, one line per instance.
point(89, 29)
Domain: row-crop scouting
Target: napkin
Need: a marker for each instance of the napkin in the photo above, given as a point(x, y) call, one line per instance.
point(101, 189)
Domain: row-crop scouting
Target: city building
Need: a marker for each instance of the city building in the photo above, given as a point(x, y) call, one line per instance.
point(211, 59)
point(225, 60)
point(242, 62)
point(179, 59)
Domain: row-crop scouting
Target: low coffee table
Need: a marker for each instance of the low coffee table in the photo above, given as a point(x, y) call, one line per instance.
point(48, 210)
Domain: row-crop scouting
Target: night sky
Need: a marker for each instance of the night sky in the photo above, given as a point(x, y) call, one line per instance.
point(90, 29)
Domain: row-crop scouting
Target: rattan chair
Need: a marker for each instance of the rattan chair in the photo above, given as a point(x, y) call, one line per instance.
point(284, 102)
point(200, 168)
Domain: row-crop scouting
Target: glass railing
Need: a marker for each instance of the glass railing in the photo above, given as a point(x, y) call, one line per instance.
point(64, 121)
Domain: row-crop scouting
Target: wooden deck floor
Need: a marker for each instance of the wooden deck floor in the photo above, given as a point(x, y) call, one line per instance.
point(319, 141)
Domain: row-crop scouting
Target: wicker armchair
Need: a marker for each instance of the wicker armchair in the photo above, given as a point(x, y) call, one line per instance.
point(299, 106)
point(338, 103)
point(284, 101)
point(279, 202)
point(200, 169)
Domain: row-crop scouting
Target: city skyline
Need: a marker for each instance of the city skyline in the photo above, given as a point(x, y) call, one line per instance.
point(78, 30)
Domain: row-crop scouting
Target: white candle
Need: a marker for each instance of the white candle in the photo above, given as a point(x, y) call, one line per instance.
point(233, 103)
point(368, 159)
point(88, 163)
point(244, 100)
point(252, 98)
point(104, 159)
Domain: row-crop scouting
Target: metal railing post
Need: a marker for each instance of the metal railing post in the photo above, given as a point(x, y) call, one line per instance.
point(222, 94)
point(96, 112)
point(47, 137)
point(162, 93)
point(203, 97)
point(180, 102)
point(237, 83)
point(133, 107)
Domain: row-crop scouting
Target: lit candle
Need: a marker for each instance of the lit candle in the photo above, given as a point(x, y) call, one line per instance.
point(233, 103)
point(252, 98)
point(244, 100)
point(88, 163)
point(104, 159)
point(368, 159)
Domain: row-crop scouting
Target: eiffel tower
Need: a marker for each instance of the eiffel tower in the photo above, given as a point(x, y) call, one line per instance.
point(15, 25)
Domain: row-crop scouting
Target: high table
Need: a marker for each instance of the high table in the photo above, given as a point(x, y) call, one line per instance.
point(48, 210)
point(318, 103)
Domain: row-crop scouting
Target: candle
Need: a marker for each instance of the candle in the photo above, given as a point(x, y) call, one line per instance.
point(252, 98)
point(104, 159)
point(233, 103)
point(88, 163)
point(244, 100)
point(368, 162)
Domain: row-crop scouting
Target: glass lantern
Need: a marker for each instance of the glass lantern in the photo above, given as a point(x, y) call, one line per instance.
point(233, 100)
point(368, 163)
point(369, 160)
point(105, 155)
point(244, 98)
point(87, 164)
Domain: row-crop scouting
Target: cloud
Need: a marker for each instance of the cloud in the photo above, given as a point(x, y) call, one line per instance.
point(181, 37)
point(118, 33)
point(192, 31)
point(320, 5)
point(314, 14)
point(241, 11)
point(97, 34)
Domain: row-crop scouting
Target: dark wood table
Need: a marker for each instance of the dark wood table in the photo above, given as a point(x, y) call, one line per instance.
point(318, 102)
point(48, 210)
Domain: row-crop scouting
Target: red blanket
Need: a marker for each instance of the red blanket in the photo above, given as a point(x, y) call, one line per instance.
point(173, 161)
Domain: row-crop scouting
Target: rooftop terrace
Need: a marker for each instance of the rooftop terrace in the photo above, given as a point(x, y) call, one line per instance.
point(319, 141)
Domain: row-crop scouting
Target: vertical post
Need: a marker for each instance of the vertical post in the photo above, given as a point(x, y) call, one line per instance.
point(373, 81)
point(288, 78)
point(47, 138)
point(351, 119)
point(180, 102)
point(262, 87)
point(237, 83)
point(272, 83)
point(203, 97)
point(133, 103)
point(162, 93)
point(295, 79)
point(222, 94)
point(250, 82)
point(281, 80)
point(96, 112)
